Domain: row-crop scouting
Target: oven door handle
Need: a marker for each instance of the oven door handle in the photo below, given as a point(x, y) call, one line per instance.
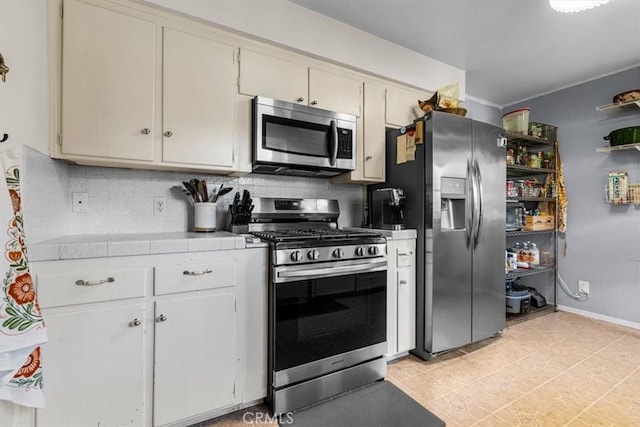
point(333, 271)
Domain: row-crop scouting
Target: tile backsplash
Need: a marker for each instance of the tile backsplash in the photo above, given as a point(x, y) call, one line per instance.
point(122, 200)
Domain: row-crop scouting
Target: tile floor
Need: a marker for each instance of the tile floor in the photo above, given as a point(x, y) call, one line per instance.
point(555, 370)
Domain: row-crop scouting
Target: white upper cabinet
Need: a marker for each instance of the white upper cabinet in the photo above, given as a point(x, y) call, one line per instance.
point(295, 81)
point(402, 106)
point(374, 133)
point(272, 77)
point(108, 83)
point(197, 104)
point(370, 149)
point(142, 90)
point(335, 92)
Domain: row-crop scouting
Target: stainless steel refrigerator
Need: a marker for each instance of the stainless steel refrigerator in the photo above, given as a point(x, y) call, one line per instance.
point(455, 198)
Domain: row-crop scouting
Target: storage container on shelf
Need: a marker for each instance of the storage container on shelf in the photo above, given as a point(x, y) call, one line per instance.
point(543, 131)
point(516, 121)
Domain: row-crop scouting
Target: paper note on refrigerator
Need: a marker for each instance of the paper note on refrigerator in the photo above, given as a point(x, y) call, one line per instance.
point(411, 145)
point(401, 149)
point(419, 132)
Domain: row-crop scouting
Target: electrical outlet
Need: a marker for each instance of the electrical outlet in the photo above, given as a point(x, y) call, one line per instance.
point(79, 202)
point(160, 206)
point(583, 286)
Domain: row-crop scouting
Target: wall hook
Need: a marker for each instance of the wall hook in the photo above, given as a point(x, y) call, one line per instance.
point(5, 136)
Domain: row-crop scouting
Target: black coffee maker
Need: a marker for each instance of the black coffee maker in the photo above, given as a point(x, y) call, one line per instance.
point(386, 208)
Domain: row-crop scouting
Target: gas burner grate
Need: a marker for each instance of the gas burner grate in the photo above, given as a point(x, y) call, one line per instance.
point(322, 234)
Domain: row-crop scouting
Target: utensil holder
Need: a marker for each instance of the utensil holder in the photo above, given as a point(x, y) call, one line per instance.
point(204, 216)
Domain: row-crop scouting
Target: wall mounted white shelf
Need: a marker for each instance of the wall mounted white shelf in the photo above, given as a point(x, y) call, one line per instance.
point(624, 147)
point(620, 107)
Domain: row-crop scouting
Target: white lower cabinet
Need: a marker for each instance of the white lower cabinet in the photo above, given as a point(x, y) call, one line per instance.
point(401, 296)
point(195, 357)
point(94, 366)
point(152, 340)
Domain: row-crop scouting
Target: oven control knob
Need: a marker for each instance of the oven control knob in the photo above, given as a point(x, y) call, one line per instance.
point(359, 251)
point(313, 254)
point(373, 250)
point(296, 256)
point(338, 253)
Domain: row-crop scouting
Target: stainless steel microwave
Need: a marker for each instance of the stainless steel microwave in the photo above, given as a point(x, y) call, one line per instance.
point(293, 139)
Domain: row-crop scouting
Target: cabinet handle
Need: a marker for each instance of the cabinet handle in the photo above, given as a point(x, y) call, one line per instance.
point(196, 273)
point(168, 134)
point(405, 253)
point(314, 102)
point(403, 282)
point(94, 282)
point(368, 158)
point(145, 131)
point(301, 99)
point(135, 322)
point(161, 318)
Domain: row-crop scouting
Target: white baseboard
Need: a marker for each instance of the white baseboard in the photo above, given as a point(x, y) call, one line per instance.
point(597, 316)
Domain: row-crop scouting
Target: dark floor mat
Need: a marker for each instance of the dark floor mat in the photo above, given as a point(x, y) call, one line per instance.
point(378, 405)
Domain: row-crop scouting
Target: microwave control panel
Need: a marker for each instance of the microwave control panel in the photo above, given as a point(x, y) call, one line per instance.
point(345, 144)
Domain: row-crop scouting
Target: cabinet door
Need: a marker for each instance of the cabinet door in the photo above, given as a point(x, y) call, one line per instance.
point(373, 132)
point(197, 103)
point(402, 106)
point(272, 77)
point(406, 309)
point(108, 79)
point(335, 92)
point(194, 356)
point(94, 371)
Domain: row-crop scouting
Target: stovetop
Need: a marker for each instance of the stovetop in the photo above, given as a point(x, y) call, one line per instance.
point(311, 235)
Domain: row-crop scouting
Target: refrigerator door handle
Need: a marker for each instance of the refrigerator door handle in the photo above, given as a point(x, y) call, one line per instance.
point(479, 207)
point(470, 203)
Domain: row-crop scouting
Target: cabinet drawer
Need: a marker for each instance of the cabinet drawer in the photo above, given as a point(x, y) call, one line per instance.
point(83, 287)
point(194, 277)
point(404, 257)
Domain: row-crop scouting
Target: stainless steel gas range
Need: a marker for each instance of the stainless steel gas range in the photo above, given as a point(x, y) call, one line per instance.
point(327, 302)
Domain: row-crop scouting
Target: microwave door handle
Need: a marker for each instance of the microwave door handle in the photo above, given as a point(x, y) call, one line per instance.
point(333, 143)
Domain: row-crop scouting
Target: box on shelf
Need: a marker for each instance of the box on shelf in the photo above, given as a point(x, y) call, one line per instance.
point(618, 189)
point(539, 222)
point(543, 131)
point(516, 121)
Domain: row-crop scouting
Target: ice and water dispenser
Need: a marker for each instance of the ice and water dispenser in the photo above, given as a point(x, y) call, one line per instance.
point(453, 198)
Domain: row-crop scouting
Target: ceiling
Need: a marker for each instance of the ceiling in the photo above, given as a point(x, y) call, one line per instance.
point(511, 49)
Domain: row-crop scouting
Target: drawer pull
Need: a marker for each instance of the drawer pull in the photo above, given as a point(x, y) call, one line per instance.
point(94, 282)
point(135, 322)
point(196, 273)
point(403, 282)
point(161, 318)
point(405, 253)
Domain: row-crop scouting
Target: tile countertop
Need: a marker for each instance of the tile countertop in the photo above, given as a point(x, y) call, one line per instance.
point(114, 245)
point(407, 233)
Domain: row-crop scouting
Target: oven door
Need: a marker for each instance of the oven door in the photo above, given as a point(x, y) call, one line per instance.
point(324, 319)
point(295, 135)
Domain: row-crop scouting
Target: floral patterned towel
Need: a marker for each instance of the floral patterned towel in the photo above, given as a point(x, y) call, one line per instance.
point(22, 328)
